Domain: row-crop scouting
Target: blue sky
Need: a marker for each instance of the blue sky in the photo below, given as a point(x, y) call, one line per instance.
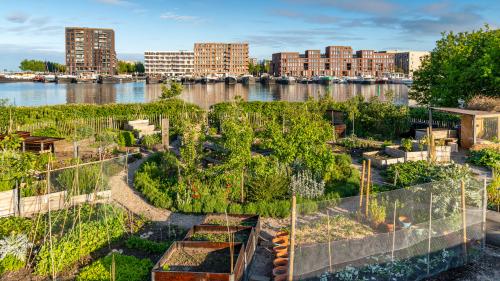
point(35, 29)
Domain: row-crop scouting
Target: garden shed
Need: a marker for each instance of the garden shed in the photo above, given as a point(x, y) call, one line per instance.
point(476, 126)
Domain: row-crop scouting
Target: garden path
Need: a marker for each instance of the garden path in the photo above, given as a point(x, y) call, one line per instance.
point(124, 194)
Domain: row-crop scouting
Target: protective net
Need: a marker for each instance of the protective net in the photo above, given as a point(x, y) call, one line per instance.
point(405, 234)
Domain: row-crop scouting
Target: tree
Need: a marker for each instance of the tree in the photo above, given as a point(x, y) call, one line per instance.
point(460, 67)
point(139, 67)
point(41, 66)
point(174, 90)
point(125, 67)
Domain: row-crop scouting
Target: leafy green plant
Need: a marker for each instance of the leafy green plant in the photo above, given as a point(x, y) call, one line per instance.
point(406, 145)
point(126, 138)
point(148, 246)
point(377, 212)
point(488, 157)
point(11, 263)
point(80, 242)
point(151, 140)
point(127, 268)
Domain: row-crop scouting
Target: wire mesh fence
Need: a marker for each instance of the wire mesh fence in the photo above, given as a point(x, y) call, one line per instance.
point(405, 234)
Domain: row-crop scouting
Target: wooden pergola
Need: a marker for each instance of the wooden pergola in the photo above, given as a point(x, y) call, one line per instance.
point(36, 144)
point(476, 126)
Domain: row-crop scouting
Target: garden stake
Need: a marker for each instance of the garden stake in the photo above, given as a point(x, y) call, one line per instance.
point(464, 221)
point(362, 185)
point(429, 236)
point(485, 204)
point(394, 231)
point(50, 221)
point(229, 239)
point(329, 240)
point(292, 238)
point(368, 181)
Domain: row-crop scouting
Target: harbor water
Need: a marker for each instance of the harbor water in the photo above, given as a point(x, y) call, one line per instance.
point(204, 95)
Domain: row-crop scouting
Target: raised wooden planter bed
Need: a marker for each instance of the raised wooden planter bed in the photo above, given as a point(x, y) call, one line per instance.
point(443, 153)
point(438, 133)
point(209, 233)
point(380, 161)
point(234, 220)
point(196, 261)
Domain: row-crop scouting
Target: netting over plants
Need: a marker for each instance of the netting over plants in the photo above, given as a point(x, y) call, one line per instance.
point(405, 234)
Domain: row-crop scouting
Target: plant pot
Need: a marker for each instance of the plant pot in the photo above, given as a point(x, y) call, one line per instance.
point(280, 262)
point(280, 270)
point(282, 255)
point(282, 234)
point(405, 221)
point(280, 241)
point(386, 227)
point(282, 277)
point(280, 249)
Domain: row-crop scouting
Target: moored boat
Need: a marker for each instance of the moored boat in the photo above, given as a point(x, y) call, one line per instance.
point(230, 80)
point(326, 80)
point(267, 80)
point(65, 79)
point(248, 80)
point(39, 78)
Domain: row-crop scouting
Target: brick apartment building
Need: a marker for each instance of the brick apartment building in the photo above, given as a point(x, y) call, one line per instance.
point(336, 61)
point(220, 58)
point(90, 50)
point(408, 62)
point(169, 63)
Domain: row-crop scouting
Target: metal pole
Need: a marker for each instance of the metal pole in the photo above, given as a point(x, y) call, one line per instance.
point(429, 236)
point(394, 231)
point(292, 238)
point(464, 220)
point(368, 181)
point(485, 205)
point(362, 185)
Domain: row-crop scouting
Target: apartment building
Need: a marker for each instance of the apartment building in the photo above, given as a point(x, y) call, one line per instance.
point(90, 50)
point(220, 58)
point(169, 63)
point(410, 61)
point(336, 61)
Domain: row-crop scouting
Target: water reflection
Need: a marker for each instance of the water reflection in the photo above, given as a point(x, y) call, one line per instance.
point(30, 94)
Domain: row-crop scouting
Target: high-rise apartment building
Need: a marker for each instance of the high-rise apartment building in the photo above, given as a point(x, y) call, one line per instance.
point(170, 63)
point(220, 58)
point(410, 61)
point(336, 61)
point(90, 50)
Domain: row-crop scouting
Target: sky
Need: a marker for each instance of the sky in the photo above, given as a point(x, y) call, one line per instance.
point(35, 28)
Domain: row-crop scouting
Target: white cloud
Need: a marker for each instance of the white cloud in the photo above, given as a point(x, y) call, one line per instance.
point(177, 17)
point(114, 2)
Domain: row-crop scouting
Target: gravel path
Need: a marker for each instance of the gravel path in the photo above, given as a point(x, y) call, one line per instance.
point(124, 194)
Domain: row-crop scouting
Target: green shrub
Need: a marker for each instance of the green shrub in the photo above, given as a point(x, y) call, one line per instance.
point(126, 138)
point(10, 263)
point(266, 180)
point(127, 268)
point(89, 179)
point(487, 157)
point(150, 189)
point(147, 246)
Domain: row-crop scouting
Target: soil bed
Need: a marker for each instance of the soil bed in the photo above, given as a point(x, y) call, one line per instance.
point(232, 220)
point(239, 236)
point(201, 260)
point(341, 227)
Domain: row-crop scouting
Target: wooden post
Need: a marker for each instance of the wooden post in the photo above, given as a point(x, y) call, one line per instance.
point(361, 186)
point(368, 182)
point(464, 220)
point(394, 230)
point(329, 241)
point(292, 238)
point(165, 128)
point(126, 166)
point(242, 186)
point(485, 204)
point(429, 236)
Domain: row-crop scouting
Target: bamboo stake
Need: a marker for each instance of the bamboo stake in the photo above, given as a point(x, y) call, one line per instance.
point(50, 222)
point(464, 220)
point(292, 238)
point(394, 231)
point(429, 236)
point(368, 182)
point(329, 241)
point(242, 186)
point(362, 185)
